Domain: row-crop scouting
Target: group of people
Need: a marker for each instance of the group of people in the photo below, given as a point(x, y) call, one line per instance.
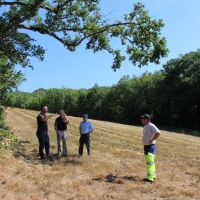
point(150, 135)
point(86, 128)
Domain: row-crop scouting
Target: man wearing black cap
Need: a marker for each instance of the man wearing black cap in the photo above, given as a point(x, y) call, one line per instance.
point(150, 134)
point(86, 128)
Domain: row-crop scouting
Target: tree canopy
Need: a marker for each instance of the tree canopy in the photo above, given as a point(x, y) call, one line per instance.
point(76, 22)
point(9, 78)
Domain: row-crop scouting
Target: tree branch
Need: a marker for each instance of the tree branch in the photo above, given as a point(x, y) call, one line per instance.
point(24, 4)
point(100, 31)
point(63, 4)
point(32, 12)
point(17, 19)
point(43, 31)
point(12, 3)
point(103, 29)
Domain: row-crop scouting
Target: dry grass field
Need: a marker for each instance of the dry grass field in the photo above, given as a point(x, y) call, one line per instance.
point(114, 171)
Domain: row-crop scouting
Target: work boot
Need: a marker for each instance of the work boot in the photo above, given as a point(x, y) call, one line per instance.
point(147, 181)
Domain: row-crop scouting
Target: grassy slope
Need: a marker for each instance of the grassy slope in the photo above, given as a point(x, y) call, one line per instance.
point(115, 170)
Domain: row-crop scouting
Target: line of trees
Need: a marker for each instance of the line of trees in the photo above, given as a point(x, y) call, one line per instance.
point(171, 95)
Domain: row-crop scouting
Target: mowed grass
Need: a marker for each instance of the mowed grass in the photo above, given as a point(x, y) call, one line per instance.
point(114, 171)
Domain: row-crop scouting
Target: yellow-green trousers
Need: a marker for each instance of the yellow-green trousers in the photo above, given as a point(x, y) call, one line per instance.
point(151, 168)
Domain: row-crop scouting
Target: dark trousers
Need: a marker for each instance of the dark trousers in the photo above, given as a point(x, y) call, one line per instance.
point(150, 149)
point(43, 139)
point(84, 139)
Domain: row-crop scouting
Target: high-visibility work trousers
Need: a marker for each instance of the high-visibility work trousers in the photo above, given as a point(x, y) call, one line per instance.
point(151, 168)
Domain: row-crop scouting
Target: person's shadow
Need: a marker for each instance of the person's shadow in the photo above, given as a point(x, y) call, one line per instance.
point(73, 159)
point(32, 156)
point(21, 152)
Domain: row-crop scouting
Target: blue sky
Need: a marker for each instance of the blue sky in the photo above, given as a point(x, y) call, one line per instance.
point(82, 69)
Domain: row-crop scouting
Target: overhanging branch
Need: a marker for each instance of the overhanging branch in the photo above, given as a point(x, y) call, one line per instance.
point(17, 19)
point(103, 29)
point(44, 31)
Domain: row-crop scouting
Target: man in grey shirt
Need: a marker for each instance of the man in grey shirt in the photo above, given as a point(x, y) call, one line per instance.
point(150, 135)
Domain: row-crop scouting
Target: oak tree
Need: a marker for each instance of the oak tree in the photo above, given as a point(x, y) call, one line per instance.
point(76, 22)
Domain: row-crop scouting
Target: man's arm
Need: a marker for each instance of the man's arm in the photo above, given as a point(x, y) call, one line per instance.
point(44, 118)
point(155, 137)
point(91, 129)
point(65, 120)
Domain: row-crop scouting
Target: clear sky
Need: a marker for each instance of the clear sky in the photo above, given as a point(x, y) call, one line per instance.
point(82, 69)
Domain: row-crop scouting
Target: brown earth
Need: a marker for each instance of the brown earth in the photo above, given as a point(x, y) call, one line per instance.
point(114, 171)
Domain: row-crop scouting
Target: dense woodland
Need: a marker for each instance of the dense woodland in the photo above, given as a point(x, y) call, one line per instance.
point(171, 95)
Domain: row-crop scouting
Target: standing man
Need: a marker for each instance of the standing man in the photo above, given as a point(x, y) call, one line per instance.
point(61, 130)
point(42, 133)
point(150, 134)
point(86, 128)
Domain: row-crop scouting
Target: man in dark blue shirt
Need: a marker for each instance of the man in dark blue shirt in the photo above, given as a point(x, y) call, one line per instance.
point(42, 132)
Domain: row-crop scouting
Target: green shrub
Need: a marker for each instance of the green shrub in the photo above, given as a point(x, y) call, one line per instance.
point(8, 140)
point(2, 117)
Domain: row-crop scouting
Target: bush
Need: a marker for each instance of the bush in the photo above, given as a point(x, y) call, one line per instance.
point(8, 140)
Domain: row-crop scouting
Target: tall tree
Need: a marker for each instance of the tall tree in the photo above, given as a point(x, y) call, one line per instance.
point(180, 91)
point(9, 78)
point(73, 22)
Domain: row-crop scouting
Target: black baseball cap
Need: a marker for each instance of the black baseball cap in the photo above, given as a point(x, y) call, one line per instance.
point(146, 116)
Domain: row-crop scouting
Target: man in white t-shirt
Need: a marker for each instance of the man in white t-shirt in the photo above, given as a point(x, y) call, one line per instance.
point(150, 135)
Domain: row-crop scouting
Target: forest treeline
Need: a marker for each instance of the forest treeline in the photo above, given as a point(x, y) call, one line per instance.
point(171, 96)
